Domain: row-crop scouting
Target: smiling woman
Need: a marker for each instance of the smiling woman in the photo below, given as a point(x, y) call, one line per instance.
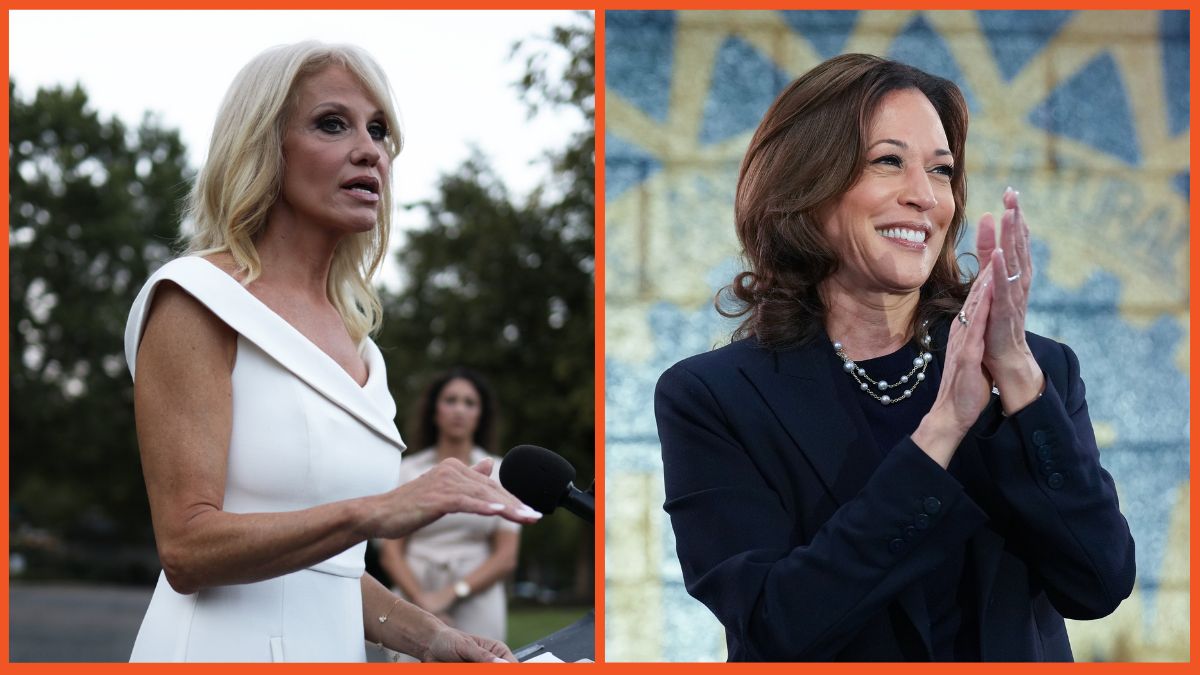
point(891, 225)
point(886, 466)
point(264, 420)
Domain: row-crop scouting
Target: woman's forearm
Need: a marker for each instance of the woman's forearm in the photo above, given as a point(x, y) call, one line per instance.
point(184, 414)
point(1045, 464)
point(938, 437)
point(407, 629)
point(184, 417)
point(211, 547)
point(1020, 382)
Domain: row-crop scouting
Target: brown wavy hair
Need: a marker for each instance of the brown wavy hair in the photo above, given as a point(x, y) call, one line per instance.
point(808, 151)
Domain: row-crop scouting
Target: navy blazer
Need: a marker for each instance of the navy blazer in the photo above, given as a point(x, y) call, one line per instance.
point(808, 544)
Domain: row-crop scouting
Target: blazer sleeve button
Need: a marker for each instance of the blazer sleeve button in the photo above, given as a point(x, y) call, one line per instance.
point(1045, 452)
point(1055, 481)
point(921, 521)
point(896, 545)
point(932, 505)
point(1041, 437)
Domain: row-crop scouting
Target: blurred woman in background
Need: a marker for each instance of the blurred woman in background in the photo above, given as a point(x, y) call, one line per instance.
point(455, 567)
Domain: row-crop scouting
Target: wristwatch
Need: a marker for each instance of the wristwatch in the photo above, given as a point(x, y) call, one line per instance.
point(462, 589)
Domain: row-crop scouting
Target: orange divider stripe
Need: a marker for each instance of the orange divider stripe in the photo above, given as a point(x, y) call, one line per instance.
point(4, 650)
point(599, 338)
point(1194, 278)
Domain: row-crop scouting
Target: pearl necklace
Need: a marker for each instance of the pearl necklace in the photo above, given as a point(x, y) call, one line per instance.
point(865, 383)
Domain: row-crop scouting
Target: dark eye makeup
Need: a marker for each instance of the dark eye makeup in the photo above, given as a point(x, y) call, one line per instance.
point(331, 123)
point(946, 170)
point(334, 124)
point(378, 130)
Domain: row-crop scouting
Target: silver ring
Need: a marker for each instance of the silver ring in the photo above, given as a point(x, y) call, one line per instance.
point(962, 318)
point(1014, 277)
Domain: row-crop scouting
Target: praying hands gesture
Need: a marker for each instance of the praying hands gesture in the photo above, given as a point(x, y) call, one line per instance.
point(987, 342)
point(966, 383)
point(1006, 355)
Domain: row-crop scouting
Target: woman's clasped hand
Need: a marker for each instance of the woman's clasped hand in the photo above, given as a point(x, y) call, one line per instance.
point(1007, 356)
point(987, 346)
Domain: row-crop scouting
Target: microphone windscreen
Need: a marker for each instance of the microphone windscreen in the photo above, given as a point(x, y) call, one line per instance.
point(536, 476)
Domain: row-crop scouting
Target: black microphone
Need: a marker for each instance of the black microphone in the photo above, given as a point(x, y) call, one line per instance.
point(543, 480)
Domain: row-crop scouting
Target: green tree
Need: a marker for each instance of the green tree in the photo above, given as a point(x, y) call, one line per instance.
point(508, 288)
point(93, 208)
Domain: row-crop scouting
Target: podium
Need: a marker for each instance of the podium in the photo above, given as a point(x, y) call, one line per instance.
point(575, 642)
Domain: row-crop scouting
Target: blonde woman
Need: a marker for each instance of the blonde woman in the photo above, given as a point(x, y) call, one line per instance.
point(263, 415)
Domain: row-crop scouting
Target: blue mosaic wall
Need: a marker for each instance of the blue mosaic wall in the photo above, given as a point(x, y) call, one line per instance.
point(1085, 112)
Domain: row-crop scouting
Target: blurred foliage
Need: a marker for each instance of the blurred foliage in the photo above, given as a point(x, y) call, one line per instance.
point(93, 207)
point(508, 289)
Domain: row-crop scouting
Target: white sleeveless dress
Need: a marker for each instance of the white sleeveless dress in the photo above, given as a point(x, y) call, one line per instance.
point(303, 434)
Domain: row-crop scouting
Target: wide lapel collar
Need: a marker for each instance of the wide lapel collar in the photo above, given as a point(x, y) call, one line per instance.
point(371, 404)
point(985, 545)
point(798, 387)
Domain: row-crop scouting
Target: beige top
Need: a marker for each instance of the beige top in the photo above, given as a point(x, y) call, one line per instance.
point(455, 536)
point(452, 546)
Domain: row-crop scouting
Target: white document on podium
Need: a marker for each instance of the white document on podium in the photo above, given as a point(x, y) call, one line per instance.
point(549, 657)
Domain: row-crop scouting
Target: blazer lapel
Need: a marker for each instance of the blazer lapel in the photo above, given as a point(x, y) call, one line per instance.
point(798, 388)
point(985, 546)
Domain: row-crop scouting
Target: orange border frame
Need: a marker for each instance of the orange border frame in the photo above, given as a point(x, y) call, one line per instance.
point(5, 369)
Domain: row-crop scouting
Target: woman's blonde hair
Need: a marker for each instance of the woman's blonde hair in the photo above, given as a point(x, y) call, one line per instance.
point(243, 175)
